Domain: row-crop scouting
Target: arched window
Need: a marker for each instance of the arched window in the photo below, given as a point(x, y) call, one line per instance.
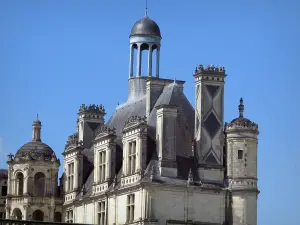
point(17, 214)
point(19, 183)
point(39, 184)
point(38, 215)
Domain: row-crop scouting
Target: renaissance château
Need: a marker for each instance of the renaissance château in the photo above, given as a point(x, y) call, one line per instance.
point(157, 160)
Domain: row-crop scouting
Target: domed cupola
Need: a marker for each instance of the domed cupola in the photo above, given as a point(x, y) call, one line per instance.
point(36, 149)
point(144, 36)
point(145, 27)
point(241, 123)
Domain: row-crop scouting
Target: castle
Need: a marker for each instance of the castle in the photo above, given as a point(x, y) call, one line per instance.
point(157, 160)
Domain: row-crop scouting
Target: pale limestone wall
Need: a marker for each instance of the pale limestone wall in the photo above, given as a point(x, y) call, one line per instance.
point(79, 213)
point(193, 205)
point(90, 215)
point(244, 209)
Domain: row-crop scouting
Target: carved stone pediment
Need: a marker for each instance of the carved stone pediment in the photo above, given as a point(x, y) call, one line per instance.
point(73, 142)
point(135, 121)
point(104, 131)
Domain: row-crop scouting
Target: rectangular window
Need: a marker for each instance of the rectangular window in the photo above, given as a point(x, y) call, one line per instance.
point(240, 154)
point(69, 216)
point(130, 208)
point(131, 157)
point(102, 166)
point(101, 213)
point(4, 190)
point(70, 176)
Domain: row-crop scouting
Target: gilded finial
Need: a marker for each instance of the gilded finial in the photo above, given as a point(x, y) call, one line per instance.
point(241, 108)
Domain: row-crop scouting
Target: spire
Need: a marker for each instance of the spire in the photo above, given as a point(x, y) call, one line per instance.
point(36, 129)
point(146, 10)
point(241, 108)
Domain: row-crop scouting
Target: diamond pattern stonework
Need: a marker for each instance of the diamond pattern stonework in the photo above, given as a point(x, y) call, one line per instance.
point(212, 124)
point(212, 89)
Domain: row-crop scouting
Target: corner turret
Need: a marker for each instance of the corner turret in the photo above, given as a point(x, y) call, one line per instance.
point(241, 147)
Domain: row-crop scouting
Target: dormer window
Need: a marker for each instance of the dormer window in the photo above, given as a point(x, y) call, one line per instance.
point(102, 165)
point(70, 176)
point(240, 154)
point(131, 157)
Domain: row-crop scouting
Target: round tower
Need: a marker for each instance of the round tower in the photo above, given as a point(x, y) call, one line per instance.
point(145, 35)
point(32, 181)
point(241, 144)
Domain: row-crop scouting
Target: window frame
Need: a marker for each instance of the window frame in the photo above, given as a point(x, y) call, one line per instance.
point(240, 154)
point(70, 176)
point(130, 208)
point(101, 213)
point(102, 165)
point(131, 157)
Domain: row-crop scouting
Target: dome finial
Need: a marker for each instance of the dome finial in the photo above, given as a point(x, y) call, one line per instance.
point(241, 107)
point(146, 11)
point(36, 129)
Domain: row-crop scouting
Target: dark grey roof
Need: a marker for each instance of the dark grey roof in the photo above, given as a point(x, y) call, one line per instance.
point(145, 27)
point(35, 150)
point(3, 173)
point(123, 112)
point(173, 95)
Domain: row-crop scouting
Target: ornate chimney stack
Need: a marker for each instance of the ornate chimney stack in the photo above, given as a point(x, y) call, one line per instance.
point(209, 120)
point(89, 119)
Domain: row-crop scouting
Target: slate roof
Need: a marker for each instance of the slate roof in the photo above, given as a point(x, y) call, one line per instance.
point(172, 94)
point(35, 150)
point(145, 27)
point(3, 173)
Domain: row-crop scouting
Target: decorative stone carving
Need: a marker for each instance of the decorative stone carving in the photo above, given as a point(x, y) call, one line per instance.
point(10, 157)
point(211, 68)
point(103, 131)
point(135, 121)
point(98, 109)
point(73, 142)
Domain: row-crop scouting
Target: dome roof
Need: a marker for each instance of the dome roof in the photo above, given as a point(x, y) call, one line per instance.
point(241, 122)
point(35, 150)
point(146, 27)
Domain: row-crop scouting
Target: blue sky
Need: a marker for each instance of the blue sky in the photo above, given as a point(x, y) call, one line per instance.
point(56, 55)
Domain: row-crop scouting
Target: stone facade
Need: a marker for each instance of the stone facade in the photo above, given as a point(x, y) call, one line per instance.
point(157, 160)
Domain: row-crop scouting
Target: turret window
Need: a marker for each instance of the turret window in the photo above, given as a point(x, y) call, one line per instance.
point(101, 213)
point(102, 165)
point(131, 157)
point(70, 176)
point(130, 208)
point(240, 154)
